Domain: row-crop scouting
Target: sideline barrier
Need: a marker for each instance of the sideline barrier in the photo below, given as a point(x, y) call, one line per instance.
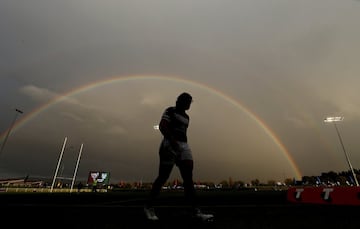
point(325, 195)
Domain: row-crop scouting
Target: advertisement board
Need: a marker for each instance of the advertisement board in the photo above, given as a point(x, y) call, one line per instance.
point(98, 177)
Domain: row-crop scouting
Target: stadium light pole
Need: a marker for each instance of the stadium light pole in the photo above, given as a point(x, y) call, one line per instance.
point(334, 120)
point(10, 128)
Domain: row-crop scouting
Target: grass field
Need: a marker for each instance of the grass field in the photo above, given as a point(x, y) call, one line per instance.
point(123, 209)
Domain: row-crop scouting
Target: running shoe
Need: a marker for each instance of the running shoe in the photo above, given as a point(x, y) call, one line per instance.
point(150, 213)
point(203, 216)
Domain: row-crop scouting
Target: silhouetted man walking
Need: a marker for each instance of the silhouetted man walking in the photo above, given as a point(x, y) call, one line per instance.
point(174, 150)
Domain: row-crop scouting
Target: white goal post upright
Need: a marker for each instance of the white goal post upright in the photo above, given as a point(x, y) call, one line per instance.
point(76, 167)
point(58, 165)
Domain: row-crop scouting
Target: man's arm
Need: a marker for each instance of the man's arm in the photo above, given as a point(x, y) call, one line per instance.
point(164, 128)
point(166, 131)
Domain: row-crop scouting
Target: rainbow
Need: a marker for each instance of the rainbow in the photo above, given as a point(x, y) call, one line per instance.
point(208, 88)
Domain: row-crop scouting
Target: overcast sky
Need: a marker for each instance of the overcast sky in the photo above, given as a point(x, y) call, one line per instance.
point(263, 74)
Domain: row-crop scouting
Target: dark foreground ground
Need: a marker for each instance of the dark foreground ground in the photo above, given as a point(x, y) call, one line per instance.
point(232, 209)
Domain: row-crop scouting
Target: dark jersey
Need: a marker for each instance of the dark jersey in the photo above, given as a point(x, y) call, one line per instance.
point(178, 123)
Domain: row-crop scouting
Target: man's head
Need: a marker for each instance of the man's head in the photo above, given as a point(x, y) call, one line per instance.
point(183, 101)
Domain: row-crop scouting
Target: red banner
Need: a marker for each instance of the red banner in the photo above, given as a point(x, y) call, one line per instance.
point(325, 195)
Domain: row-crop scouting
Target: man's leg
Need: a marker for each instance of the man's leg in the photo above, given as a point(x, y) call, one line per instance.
point(186, 171)
point(164, 173)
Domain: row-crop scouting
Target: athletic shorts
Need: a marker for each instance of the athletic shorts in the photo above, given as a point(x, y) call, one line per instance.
point(171, 156)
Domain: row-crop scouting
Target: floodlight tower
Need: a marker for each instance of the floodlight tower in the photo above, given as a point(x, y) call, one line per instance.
point(339, 119)
point(9, 130)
